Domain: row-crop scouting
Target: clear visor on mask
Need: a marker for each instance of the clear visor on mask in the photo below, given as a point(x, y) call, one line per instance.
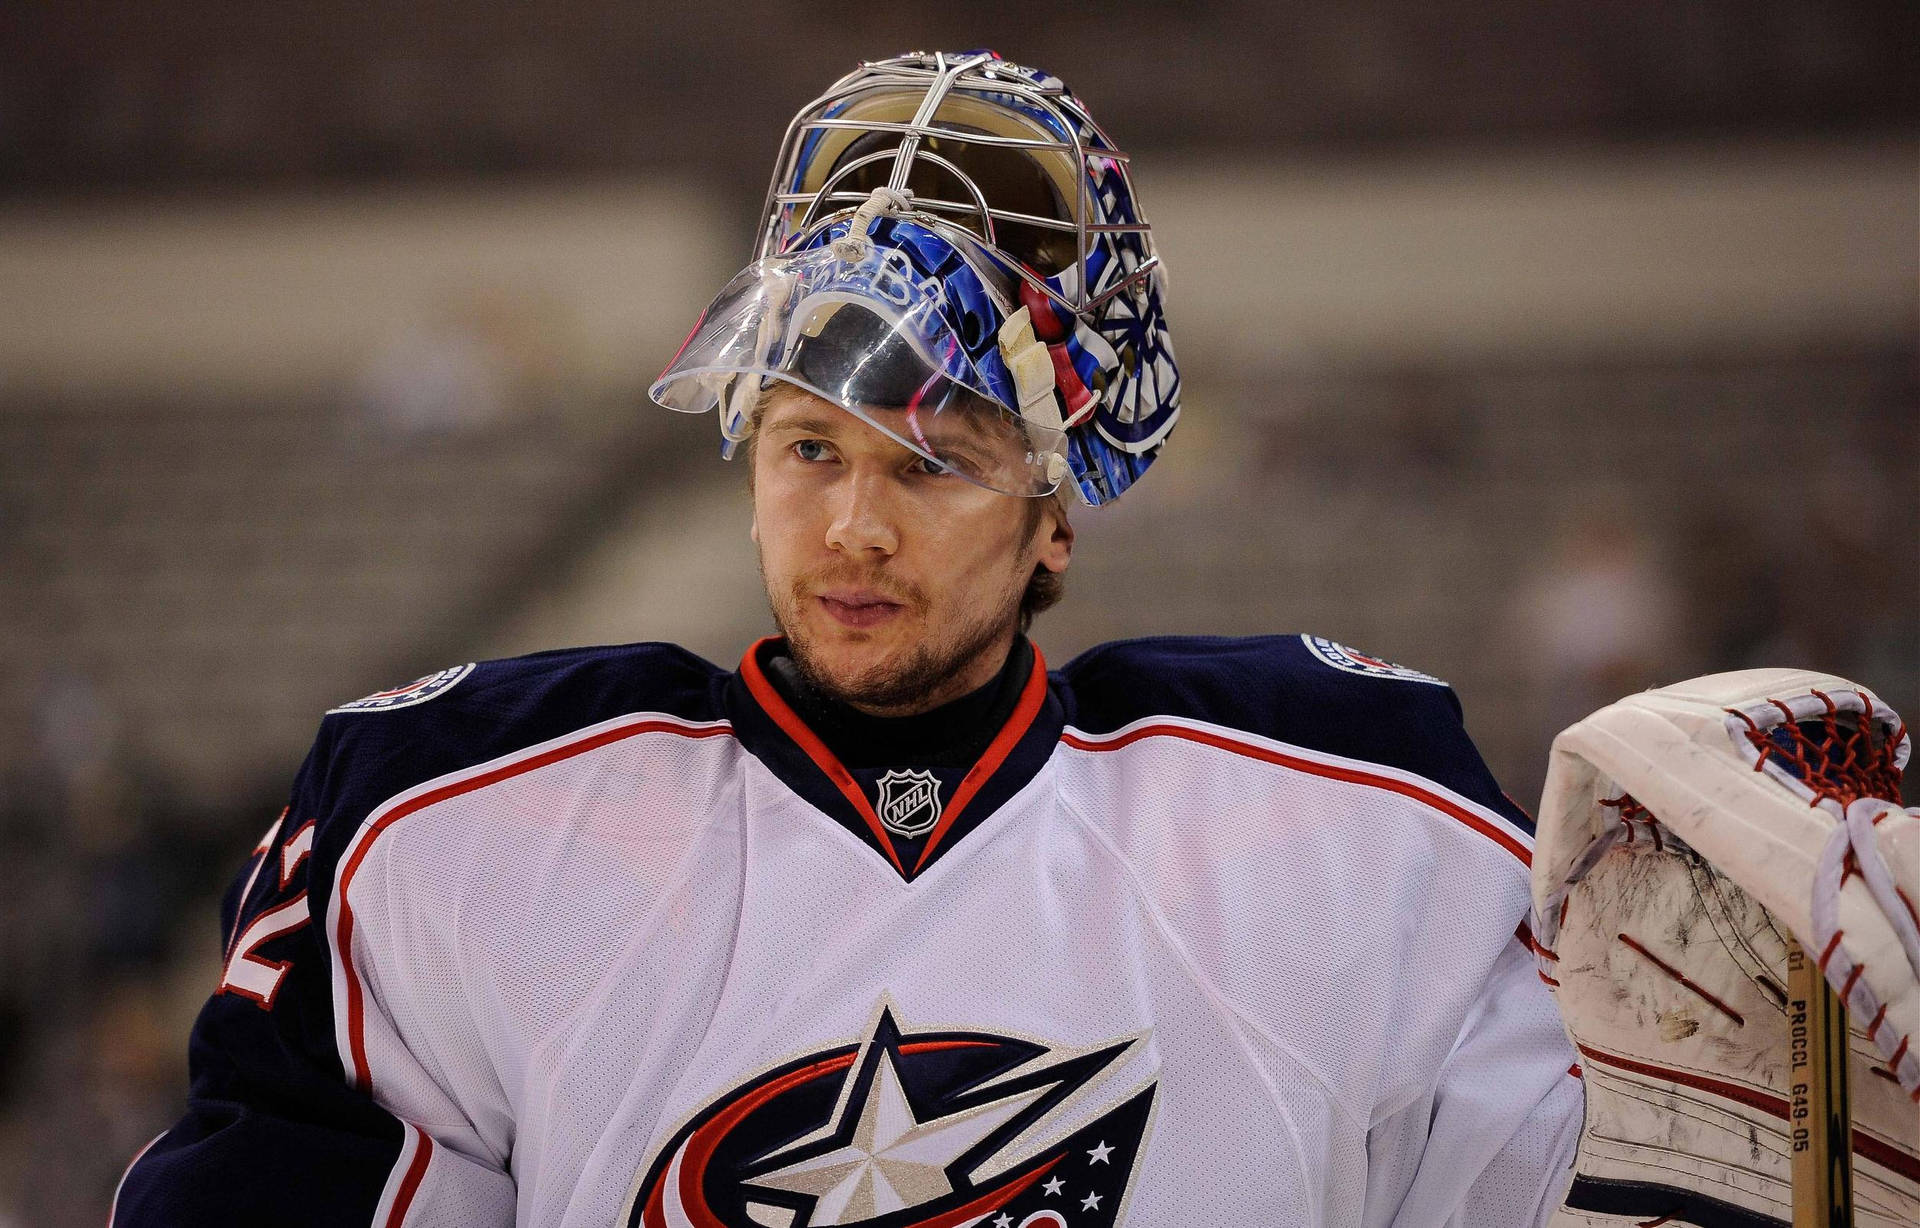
point(864, 331)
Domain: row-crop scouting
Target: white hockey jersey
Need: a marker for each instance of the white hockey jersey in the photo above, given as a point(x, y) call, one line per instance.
point(1214, 932)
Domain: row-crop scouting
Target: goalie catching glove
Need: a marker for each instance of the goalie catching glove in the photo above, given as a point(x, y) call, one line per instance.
point(1687, 836)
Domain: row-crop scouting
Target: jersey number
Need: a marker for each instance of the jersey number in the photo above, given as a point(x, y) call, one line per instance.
point(247, 973)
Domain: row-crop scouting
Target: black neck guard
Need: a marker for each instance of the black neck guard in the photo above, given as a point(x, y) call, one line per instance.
point(951, 735)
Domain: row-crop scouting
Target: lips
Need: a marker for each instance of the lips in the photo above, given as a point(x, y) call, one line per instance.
point(859, 607)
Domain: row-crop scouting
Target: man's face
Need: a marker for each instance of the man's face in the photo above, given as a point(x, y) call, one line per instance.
point(897, 585)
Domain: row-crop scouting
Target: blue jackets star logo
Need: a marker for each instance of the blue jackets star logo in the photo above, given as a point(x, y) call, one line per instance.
point(909, 1130)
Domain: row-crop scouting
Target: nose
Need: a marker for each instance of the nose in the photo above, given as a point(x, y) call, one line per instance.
point(864, 522)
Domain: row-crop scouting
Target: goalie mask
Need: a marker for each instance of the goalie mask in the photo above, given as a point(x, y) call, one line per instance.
point(951, 250)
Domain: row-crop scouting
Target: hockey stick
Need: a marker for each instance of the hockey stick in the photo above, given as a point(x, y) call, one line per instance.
point(1822, 1122)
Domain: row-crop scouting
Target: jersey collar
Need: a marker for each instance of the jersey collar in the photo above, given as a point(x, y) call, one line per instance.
point(775, 734)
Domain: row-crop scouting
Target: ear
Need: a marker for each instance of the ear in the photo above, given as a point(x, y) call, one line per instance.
point(1055, 537)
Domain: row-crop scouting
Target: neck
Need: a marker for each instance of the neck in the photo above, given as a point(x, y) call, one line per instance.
point(950, 733)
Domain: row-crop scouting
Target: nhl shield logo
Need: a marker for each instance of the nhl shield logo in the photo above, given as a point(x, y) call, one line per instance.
point(909, 802)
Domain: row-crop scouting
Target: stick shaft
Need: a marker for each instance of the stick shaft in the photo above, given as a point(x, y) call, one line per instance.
point(1822, 1119)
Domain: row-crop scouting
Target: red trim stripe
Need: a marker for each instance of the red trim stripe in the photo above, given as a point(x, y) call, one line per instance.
point(1454, 810)
point(410, 1184)
point(1883, 1154)
point(807, 740)
point(343, 925)
point(1752, 1097)
point(996, 754)
point(113, 1208)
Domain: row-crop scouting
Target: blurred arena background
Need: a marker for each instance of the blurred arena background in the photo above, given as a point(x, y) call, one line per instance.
point(1559, 349)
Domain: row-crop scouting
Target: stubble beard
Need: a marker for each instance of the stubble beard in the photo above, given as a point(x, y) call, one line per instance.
point(892, 688)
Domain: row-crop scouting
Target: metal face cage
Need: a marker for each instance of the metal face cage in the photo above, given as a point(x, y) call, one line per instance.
point(960, 134)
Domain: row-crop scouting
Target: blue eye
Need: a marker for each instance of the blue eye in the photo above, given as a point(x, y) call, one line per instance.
point(931, 468)
point(810, 449)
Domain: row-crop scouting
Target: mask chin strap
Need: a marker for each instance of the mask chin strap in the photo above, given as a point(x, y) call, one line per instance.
point(736, 412)
point(737, 393)
point(1031, 363)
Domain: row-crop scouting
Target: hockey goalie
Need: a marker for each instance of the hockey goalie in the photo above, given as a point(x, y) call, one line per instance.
point(893, 926)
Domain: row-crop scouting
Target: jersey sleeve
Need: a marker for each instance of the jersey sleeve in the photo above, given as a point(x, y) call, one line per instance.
point(1494, 1143)
point(275, 1131)
point(1376, 874)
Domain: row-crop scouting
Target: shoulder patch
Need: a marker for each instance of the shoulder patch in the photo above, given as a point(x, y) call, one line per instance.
point(1352, 661)
point(419, 691)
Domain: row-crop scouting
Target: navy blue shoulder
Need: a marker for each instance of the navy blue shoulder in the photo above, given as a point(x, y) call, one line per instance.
point(1306, 691)
point(270, 1090)
point(369, 750)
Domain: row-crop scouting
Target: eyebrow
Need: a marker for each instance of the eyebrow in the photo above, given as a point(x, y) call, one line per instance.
point(804, 423)
point(959, 440)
